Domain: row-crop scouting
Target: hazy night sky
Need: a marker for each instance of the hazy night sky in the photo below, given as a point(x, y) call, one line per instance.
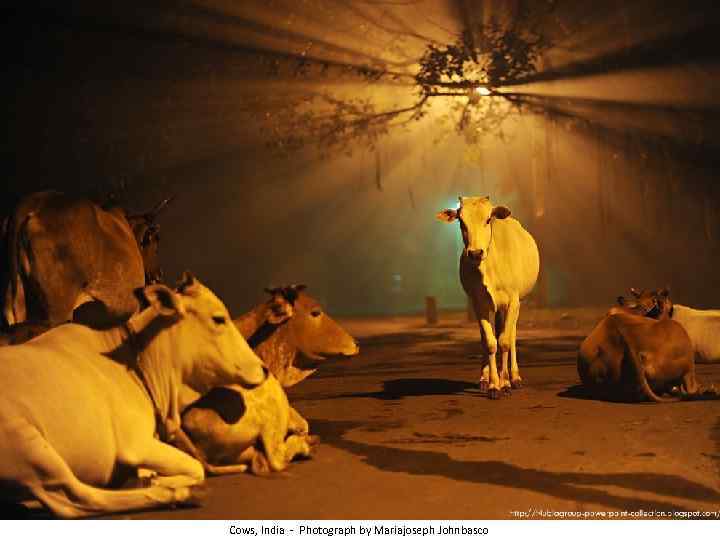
point(618, 182)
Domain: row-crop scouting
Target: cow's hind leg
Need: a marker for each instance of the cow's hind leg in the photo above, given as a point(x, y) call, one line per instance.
point(502, 330)
point(511, 329)
point(54, 484)
point(690, 386)
point(278, 450)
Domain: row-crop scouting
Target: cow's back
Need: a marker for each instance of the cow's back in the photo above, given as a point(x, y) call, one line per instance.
point(512, 263)
point(703, 327)
point(71, 250)
point(600, 356)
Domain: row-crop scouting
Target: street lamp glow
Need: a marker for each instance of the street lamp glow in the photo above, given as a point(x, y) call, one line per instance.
point(483, 90)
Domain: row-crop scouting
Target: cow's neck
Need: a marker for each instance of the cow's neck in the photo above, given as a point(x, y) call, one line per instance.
point(479, 277)
point(273, 343)
point(264, 332)
point(280, 354)
point(251, 321)
point(157, 364)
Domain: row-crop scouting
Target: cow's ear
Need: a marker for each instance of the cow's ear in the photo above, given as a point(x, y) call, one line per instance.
point(164, 300)
point(188, 285)
point(448, 215)
point(621, 300)
point(500, 212)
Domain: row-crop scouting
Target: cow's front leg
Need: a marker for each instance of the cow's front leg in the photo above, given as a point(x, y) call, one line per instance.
point(174, 467)
point(488, 335)
point(297, 424)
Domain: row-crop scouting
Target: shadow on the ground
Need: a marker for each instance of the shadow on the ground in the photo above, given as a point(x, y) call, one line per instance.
point(18, 511)
point(571, 486)
point(395, 389)
point(393, 354)
point(626, 395)
point(579, 391)
point(715, 436)
point(405, 338)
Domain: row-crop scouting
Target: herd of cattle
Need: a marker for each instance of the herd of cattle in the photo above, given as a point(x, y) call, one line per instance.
point(118, 378)
point(640, 350)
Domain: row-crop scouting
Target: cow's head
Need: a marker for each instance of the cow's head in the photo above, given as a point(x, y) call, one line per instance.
point(316, 334)
point(147, 234)
point(476, 216)
point(210, 349)
point(654, 304)
point(282, 299)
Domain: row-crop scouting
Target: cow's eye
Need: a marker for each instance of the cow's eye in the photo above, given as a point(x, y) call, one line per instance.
point(219, 319)
point(316, 313)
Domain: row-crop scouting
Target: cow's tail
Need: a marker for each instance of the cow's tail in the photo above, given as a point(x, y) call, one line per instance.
point(15, 302)
point(639, 369)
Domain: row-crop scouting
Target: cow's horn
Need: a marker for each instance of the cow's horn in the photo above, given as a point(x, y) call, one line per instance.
point(187, 281)
point(161, 206)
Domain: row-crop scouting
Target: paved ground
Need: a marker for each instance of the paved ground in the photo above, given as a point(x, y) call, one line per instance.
point(406, 435)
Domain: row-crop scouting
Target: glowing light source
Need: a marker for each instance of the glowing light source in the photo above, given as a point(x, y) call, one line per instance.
point(483, 90)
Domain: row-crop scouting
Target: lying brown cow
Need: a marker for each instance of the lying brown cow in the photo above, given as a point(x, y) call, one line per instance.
point(632, 356)
point(233, 426)
point(702, 325)
point(22, 332)
point(61, 252)
point(294, 351)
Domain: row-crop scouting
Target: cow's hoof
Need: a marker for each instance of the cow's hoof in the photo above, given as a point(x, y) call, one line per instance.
point(312, 440)
point(493, 393)
point(483, 386)
point(260, 465)
point(192, 496)
point(516, 385)
point(506, 391)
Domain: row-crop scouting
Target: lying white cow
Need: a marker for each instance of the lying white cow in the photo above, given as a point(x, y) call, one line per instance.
point(233, 427)
point(236, 428)
point(702, 325)
point(79, 404)
point(498, 267)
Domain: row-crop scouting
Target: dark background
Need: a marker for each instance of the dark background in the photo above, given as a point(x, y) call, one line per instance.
point(617, 178)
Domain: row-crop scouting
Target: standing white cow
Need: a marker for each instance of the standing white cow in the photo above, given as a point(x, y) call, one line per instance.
point(79, 405)
point(498, 267)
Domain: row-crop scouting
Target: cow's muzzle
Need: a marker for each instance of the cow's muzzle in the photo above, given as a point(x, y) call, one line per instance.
point(476, 255)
